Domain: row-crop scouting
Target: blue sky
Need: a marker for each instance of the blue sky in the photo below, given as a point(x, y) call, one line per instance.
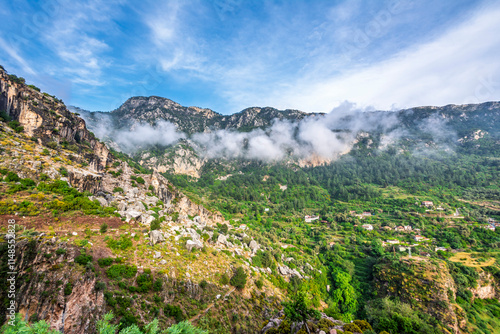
point(230, 54)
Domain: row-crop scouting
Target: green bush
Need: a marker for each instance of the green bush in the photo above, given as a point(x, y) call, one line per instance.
point(118, 190)
point(259, 283)
point(16, 126)
point(83, 259)
point(118, 271)
point(352, 328)
point(122, 243)
point(103, 228)
point(100, 286)
point(61, 251)
point(63, 171)
point(239, 279)
point(158, 285)
point(105, 262)
point(224, 279)
point(11, 177)
point(155, 225)
point(68, 289)
point(174, 311)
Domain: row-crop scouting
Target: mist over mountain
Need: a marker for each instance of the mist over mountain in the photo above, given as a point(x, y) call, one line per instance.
point(270, 135)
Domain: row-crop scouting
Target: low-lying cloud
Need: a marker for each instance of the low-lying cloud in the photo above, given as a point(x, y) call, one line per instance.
point(324, 136)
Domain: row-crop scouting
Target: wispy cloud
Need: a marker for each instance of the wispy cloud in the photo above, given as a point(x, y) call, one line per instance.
point(14, 54)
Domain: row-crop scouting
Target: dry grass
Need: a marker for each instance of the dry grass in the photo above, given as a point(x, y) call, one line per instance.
point(472, 259)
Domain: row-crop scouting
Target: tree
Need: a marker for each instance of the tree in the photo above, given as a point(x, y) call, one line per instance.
point(20, 326)
point(296, 309)
point(185, 327)
point(344, 295)
point(239, 279)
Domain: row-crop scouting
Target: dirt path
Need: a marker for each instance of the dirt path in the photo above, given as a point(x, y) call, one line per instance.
point(196, 317)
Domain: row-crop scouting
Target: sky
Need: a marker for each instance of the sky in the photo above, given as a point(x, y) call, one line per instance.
point(228, 55)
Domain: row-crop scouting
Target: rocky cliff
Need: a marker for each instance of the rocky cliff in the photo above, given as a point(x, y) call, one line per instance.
point(51, 286)
point(46, 119)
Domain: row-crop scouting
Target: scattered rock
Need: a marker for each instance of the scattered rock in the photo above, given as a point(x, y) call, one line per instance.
point(254, 246)
point(190, 244)
point(156, 237)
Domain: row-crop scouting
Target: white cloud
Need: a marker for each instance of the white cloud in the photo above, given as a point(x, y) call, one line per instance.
point(460, 66)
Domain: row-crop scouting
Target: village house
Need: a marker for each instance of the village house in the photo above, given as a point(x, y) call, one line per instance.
point(310, 219)
point(420, 238)
point(392, 242)
point(399, 228)
point(407, 227)
point(440, 249)
point(387, 228)
point(427, 204)
point(366, 214)
point(367, 227)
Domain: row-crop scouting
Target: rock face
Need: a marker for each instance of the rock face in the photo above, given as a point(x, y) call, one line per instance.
point(431, 285)
point(47, 119)
point(75, 312)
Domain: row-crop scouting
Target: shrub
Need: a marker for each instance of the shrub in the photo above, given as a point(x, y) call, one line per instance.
point(352, 328)
point(118, 271)
point(185, 327)
point(118, 190)
point(52, 145)
point(68, 289)
point(123, 243)
point(173, 311)
point(203, 284)
point(12, 177)
point(103, 228)
point(239, 278)
point(144, 282)
point(155, 225)
point(224, 279)
point(259, 283)
point(105, 262)
point(363, 325)
point(140, 180)
point(16, 126)
point(100, 286)
point(83, 259)
point(61, 251)
point(63, 171)
point(158, 285)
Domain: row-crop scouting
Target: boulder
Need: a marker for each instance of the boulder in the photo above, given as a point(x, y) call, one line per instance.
point(147, 220)
point(190, 244)
point(193, 233)
point(156, 255)
point(163, 262)
point(254, 246)
point(132, 214)
point(156, 237)
point(222, 239)
point(122, 206)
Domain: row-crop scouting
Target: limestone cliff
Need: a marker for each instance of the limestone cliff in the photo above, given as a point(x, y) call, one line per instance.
point(46, 119)
point(51, 286)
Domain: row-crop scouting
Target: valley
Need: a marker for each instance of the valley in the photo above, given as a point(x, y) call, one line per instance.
point(396, 229)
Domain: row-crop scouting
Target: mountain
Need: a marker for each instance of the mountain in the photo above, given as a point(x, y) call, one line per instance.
point(198, 136)
point(150, 110)
point(248, 223)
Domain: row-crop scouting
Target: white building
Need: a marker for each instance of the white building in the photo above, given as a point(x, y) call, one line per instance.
point(310, 219)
